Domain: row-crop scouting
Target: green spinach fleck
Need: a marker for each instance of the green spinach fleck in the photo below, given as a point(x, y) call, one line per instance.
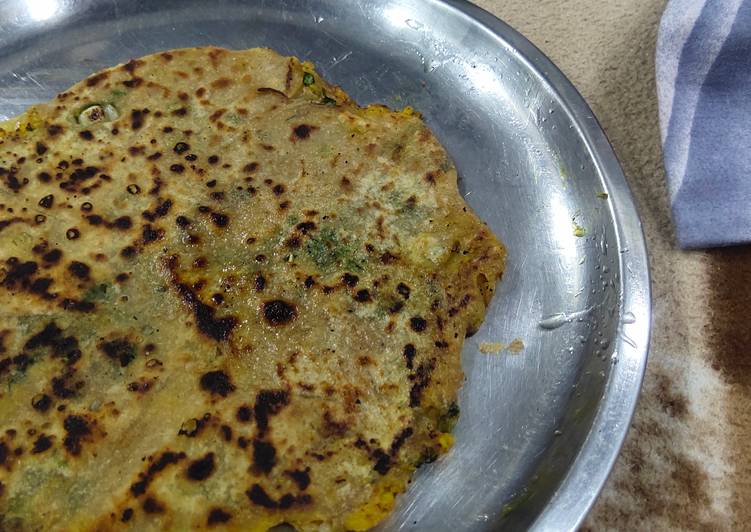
point(429, 455)
point(329, 250)
point(447, 421)
point(98, 292)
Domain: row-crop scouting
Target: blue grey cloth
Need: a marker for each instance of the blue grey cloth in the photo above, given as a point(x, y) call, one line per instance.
point(704, 90)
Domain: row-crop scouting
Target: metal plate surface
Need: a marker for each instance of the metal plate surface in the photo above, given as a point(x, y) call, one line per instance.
point(540, 429)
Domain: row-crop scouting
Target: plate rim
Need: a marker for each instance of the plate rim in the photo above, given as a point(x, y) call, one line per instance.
point(581, 485)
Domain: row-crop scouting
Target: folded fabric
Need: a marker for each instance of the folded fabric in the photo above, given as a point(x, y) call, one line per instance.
point(703, 68)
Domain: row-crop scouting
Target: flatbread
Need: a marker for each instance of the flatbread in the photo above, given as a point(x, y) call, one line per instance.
point(229, 297)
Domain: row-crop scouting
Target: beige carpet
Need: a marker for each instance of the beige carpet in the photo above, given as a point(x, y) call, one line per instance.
point(687, 461)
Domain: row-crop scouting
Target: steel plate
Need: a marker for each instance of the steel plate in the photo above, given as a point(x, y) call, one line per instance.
point(540, 429)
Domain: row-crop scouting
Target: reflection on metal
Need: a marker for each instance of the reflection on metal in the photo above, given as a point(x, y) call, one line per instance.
point(40, 10)
point(559, 319)
point(397, 15)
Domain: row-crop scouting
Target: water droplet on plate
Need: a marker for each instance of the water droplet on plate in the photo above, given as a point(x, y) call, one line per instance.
point(628, 317)
point(553, 321)
point(414, 24)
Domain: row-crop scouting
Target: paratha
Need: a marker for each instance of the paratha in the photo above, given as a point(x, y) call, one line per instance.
point(229, 297)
